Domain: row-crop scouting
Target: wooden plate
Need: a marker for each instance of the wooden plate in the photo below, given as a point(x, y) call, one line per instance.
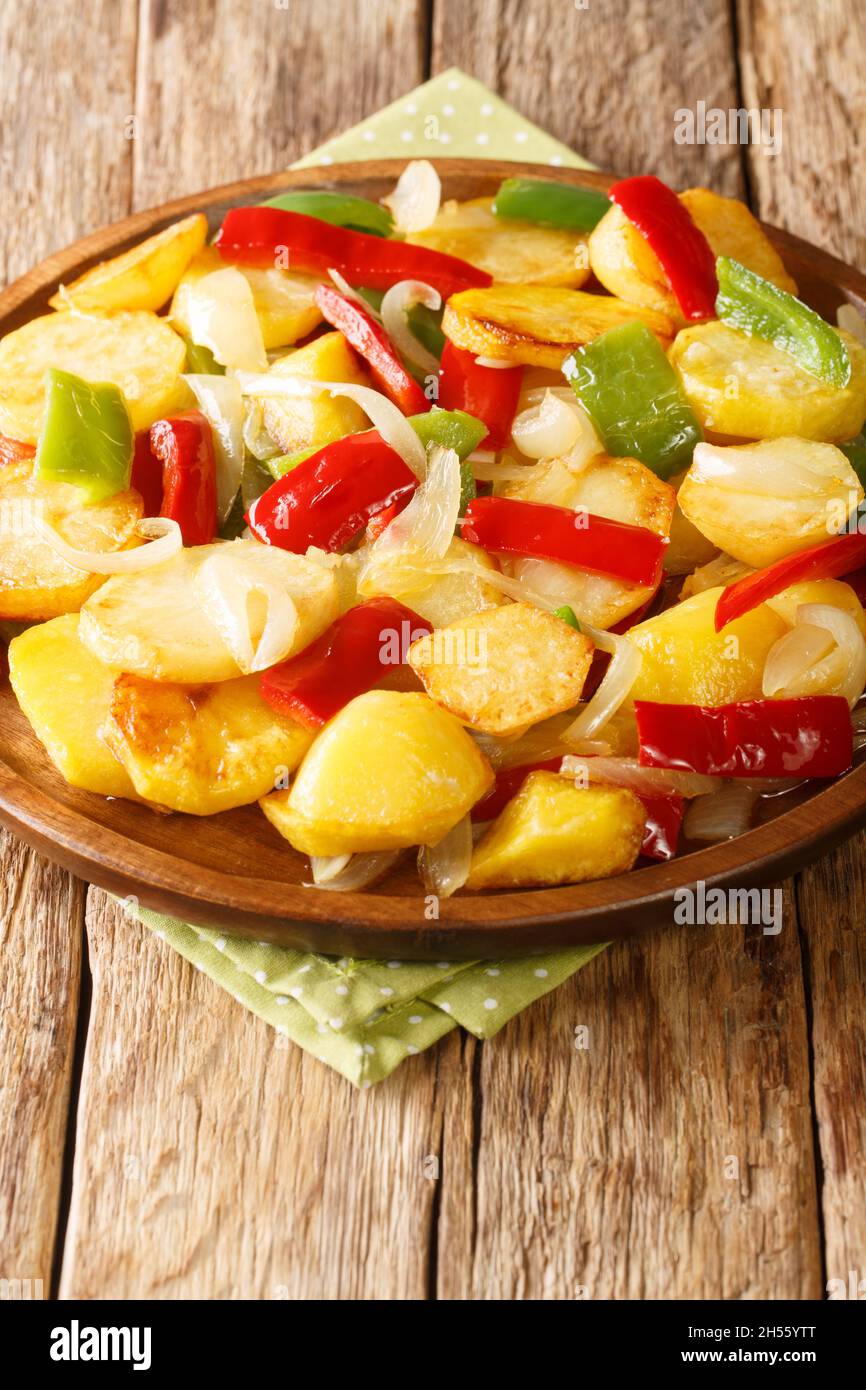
point(233, 870)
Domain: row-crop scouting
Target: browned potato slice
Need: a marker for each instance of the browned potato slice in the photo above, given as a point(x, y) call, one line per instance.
point(504, 668)
point(34, 581)
point(284, 302)
point(516, 253)
point(554, 832)
point(144, 277)
point(539, 325)
point(201, 749)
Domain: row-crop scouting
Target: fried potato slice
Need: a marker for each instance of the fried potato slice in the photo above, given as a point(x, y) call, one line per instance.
point(305, 424)
point(745, 388)
point(34, 581)
point(152, 624)
point(539, 325)
point(283, 301)
point(144, 277)
point(201, 749)
point(505, 668)
point(623, 262)
point(66, 696)
point(516, 253)
point(760, 502)
point(136, 350)
point(554, 832)
point(449, 596)
point(621, 489)
point(391, 770)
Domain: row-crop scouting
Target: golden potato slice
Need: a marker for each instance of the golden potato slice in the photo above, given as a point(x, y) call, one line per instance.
point(283, 301)
point(759, 502)
point(504, 668)
point(686, 662)
point(619, 488)
point(34, 581)
point(201, 749)
point(688, 549)
point(137, 351)
point(732, 230)
point(389, 771)
point(66, 696)
point(152, 624)
point(745, 388)
point(142, 278)
point(451, 596)
point(554, 832)
point(536, 324)
point(515, 253)
point(304, 424)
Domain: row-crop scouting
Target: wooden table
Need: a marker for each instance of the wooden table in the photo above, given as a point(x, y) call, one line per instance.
point(156, 1140)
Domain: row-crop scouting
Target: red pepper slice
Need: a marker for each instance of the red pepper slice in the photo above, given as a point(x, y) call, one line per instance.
point(664, 817)
point(147, 474)
point(595, 543)
point(828, 560)
point(809, 736)
point(15, 450)
point(329, 497)
point(348, 659)
point(488, 393)
point(184, 447)
point(684, 252)
point(370, 340)
point(293, 241)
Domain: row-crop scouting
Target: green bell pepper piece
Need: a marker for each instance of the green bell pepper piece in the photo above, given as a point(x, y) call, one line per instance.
point(340, 209)
point(568, 615)
point(200, 361)
point(760, 309)
point(426, 324)
point(86, 438)
point(550, 204)
point(633, 396)
point(453, 429)
point(284, 463)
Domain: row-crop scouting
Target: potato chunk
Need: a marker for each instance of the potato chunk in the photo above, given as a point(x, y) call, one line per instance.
point(389, 771)
point(66, 696)
point(537, 324)
point(458, 594)
point(34, 581)
point(747, 389)
point(554, 832)
point(304, 424)
point(760, 502)
point(283, 301)
point(144, 277)
point(201, 749)
point(137, 351)
point(504, 668)
point(516, 253)
point(686, 662)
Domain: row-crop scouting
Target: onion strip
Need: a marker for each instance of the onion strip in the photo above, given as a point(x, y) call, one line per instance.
point(414, 203)
point(444, 867)
point(618, 680)
point(398, 300)
point(356, 871)
point(627, 772)
point(162, 533)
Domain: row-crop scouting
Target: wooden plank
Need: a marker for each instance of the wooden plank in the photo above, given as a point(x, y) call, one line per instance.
point(807, 58)
point(607, 79)
point(71, 171)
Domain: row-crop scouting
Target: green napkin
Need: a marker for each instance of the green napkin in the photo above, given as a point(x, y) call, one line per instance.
point(365, 1017)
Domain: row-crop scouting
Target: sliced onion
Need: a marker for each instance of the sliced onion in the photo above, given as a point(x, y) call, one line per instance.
point(496, 364)
point(350, 292)
point(547, 430)
point(618, 680)
point(359, 871)
point(444, 867)
point(724, 569)
point(255, 435)
point(162, 533)
point(415, 201)
point(387, 419)
point(793, 656)
point(243, 591)
point(220, 401)
point(627, 772)
point(720, 815)
point(327, 867)
point(398, 300)
point(494, 472)
point(825, 650)
point(402, 557)
point(852, 322)
point(766, 469)
point(221, 315)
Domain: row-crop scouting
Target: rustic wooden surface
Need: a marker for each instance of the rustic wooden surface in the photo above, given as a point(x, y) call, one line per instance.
point(709, 1138)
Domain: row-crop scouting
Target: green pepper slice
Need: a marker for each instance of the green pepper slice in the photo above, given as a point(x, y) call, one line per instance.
point(340, 209)
point(87, 437)
point(550, 204)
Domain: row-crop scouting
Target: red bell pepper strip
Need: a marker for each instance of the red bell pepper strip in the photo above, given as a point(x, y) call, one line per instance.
point(330, 496)
point(370, 340)
point(15, 450)
point(348, 659)
point(630, 553)
point(488, 393)
point(184, 447)
point(664, 817)
point(684, 252)
point(809, 736)
point(265, 236)
point(828, 560)
point(147, 474)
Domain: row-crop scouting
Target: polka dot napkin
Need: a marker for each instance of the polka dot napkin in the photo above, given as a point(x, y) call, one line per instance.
point(366, 1017)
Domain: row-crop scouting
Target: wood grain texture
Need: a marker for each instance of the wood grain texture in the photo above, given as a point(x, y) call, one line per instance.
point(608, 78)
